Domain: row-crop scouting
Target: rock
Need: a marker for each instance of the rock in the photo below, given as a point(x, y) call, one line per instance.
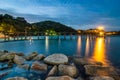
point(7, 57)
point(69, 70)
point(25, 66)
point(60, 78)
point(101, 78)
point(19, 60)
point(20, 54)
point(53, 71)
point(56, 59)
point(85, 61)
point(17, 78)
point(95, 70)
point(39, 66)
point(1, 53)
point(39, 57)
point(31, 56)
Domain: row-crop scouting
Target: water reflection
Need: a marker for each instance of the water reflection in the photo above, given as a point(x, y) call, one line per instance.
point(99, 53)
point(87, 49)
point(79, 45)
point(46, 44)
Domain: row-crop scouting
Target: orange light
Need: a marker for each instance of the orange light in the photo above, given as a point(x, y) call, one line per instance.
point(100, 28)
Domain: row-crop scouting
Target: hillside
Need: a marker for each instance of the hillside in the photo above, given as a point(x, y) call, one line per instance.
point(51, 25)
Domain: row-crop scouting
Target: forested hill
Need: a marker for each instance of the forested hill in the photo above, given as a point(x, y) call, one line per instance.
point(51, 25)
point(12, 24)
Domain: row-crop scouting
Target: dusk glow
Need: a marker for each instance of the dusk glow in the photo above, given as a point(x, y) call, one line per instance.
point(79, 14)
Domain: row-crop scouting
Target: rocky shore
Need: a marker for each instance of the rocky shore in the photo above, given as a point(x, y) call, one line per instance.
point(54, 67)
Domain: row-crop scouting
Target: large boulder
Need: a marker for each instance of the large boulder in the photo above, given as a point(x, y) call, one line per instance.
point(69, 70)
point(39, 57)
point(56, 59)
point(101, 78)
point(7, 57)
point(95, 70)
point(16, 78)
point(31, 56)
point(19, 60)
point(37, 66)
point(60, 78)
point(53, 71)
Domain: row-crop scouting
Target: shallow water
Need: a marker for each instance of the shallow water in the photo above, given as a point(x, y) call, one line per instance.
point(99, 49)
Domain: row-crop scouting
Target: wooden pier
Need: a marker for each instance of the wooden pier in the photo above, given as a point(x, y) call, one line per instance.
point(38, 36)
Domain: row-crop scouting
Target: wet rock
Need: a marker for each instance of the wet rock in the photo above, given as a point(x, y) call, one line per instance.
point(95, 70)
point(39, 66)
point(69, 70)
point(24, 66)
point(19, 60)
point(39, 57)
point(85, 61)
point(101, 78)
point(60, 78)
point(53, 71)
point(17, 78)
point(7, 57)
point(20, 54)
point(31, 56)
point(56, 59)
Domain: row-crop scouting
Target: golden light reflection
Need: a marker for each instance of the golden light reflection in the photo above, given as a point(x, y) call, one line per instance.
point(87, 47)
point(99, 53)
point(79, 45)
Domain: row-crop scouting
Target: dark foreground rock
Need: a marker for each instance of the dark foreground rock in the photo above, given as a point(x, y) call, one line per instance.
point(60, 78)
point(56, 59)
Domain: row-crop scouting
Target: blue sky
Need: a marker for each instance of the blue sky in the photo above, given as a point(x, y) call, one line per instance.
point(79, 14)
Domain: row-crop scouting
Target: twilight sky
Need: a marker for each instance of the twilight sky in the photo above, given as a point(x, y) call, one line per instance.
point(79, 14)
